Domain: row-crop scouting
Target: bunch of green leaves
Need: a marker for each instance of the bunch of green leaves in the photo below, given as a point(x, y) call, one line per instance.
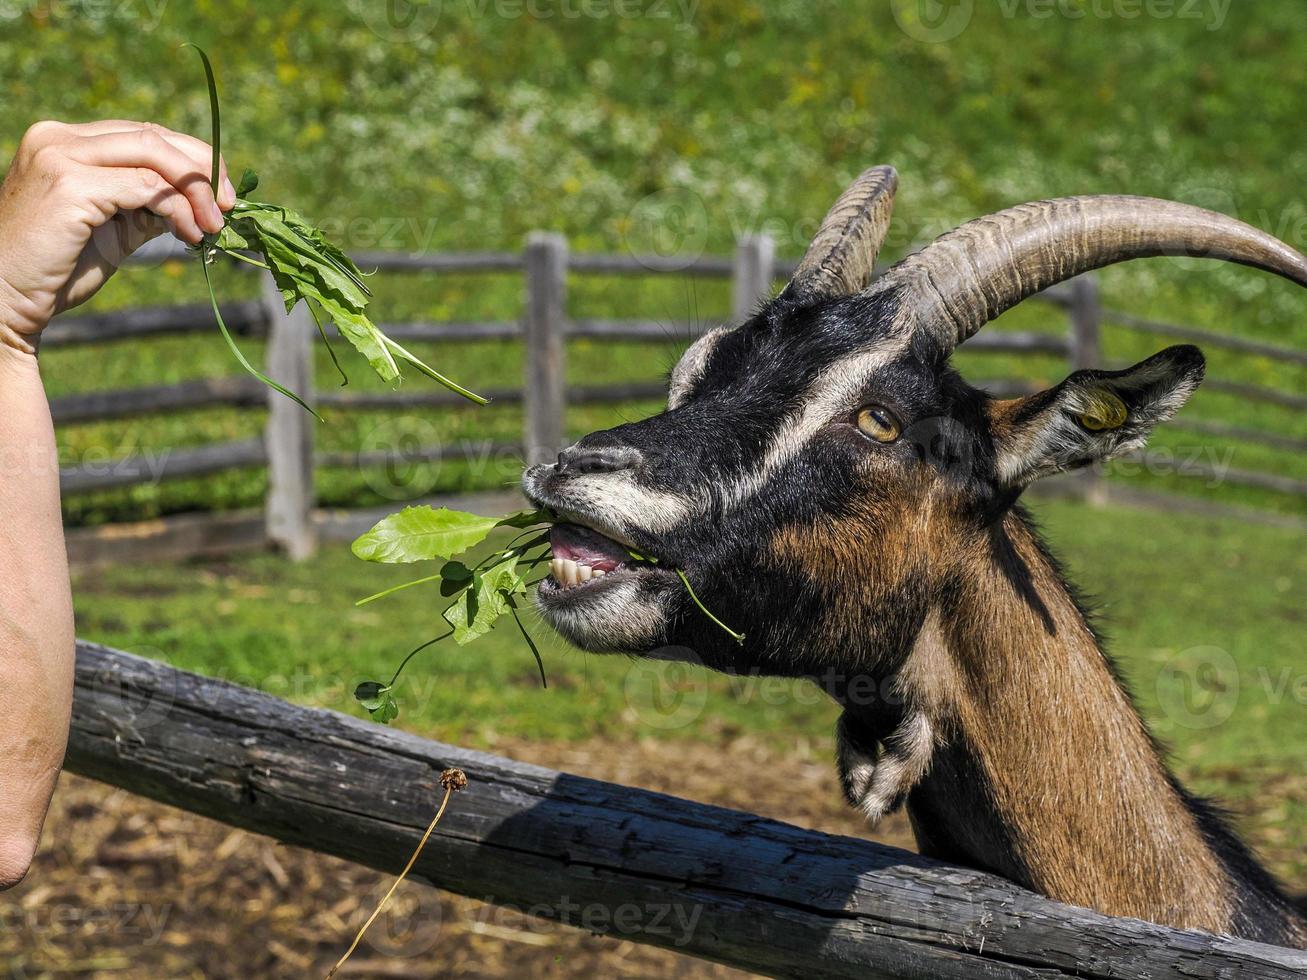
point(307, 268)
point(479, 593)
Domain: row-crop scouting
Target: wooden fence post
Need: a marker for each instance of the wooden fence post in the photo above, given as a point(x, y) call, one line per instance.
point(289, 359)
point(1086, 352)
point(544, 326)
point(751, 278)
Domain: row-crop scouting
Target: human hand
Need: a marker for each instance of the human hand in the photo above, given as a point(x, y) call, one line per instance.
point(78, 199)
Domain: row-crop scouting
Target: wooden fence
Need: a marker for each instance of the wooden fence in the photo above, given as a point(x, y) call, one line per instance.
point(727, 886)
point(290, 518)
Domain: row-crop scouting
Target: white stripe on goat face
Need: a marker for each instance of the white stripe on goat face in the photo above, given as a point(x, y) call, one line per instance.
point(837, 389)
point(619, 502)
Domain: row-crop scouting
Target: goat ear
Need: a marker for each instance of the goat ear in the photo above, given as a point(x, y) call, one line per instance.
point(1091, 416)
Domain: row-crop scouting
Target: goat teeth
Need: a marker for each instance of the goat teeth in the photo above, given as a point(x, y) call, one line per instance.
point(569, 573)
point(584, 572)
point(556, 569)
point(598, 573)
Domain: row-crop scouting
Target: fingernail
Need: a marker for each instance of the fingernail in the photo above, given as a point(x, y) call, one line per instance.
point(216, 214)
point(228, 191)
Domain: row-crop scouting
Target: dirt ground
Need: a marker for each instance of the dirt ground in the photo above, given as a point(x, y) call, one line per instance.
point(127, 887)
point(124, 887)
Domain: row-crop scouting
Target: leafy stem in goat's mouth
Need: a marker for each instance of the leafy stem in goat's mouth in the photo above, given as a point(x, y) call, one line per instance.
point(480, 594)
point(306, 268)
point(737, 637)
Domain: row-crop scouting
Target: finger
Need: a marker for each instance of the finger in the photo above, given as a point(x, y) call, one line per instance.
point(146, 148)
point(143, 189)
point(194, 147)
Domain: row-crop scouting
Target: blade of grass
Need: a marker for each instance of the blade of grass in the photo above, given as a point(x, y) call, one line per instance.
point(396, 588)
point(322, 331)
point(737, 637)
point(213, 114)
point(432, 373)
point(512, 606)
point(236, 351)
point(245, 258)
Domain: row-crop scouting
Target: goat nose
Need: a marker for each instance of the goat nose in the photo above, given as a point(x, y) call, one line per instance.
point(597, 459)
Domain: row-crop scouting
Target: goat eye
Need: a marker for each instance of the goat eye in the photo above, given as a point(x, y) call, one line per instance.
point(878, 423)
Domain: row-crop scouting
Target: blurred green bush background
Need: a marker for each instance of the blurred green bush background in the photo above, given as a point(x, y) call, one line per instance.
point(677, 125)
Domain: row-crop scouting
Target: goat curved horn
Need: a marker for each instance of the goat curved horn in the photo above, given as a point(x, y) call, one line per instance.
point(970, 275)
point(843, 252)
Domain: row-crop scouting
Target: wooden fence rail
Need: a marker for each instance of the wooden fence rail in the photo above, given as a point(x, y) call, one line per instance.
point(727, 886)
point(543, 329)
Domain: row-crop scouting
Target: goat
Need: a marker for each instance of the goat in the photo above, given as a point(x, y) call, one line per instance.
point(831, 486)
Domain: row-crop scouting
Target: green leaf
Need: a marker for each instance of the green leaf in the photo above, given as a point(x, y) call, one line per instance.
point(231, 240)
point(377, 699)
point(363, 334)
point(386, 712)
point(306, 267)
point(454, 578)
point(422, 533)
point(484, 601)
point(455, 571)
point(370, 690)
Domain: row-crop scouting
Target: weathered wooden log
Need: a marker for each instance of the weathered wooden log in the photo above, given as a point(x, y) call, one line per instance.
point(719, 884)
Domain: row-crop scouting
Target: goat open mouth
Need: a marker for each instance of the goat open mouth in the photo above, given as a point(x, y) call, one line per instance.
point(583, 558)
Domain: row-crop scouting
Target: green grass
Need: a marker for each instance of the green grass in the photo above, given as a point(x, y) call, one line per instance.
point(746, 115)
point(1204, 617)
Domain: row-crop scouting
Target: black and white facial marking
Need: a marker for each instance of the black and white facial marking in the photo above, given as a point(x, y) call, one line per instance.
point(759, 483)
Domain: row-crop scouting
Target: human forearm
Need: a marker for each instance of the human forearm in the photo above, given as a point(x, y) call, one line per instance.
point(36, 617)
point(76, 201)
